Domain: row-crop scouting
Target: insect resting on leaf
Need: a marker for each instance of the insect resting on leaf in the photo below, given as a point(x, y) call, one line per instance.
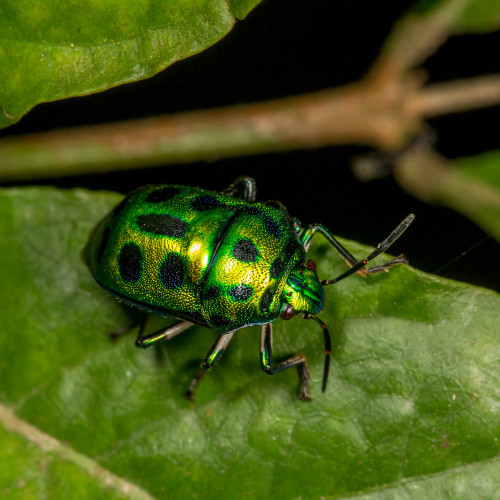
point(218, 260)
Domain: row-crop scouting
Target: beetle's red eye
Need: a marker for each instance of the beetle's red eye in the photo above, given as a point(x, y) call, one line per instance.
point(310, 264)
point(288, 312)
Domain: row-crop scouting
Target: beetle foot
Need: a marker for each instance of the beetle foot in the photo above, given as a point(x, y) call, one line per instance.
point(139, 342)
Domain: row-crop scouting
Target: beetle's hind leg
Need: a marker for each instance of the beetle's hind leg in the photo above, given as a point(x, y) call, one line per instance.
point(211, 359)
point(299, 360)
point(306, 237)
point(145, 341)
point(141, 322)
point(243, 187)
point(170, 332)
point(116, 334)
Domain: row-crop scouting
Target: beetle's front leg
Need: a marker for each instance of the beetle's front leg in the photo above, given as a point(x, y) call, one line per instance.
point(299, 360)
point(211, 359)
point(305, 238)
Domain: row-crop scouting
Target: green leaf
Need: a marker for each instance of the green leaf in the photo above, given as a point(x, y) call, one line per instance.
point(481, 199)
point(463, 16)
point(411, 409)
point(480, 16)
point(241, 8)
point(470, 185)
point(52, 50)
point(484, 168)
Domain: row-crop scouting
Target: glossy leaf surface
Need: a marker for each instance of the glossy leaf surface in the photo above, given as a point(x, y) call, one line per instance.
point(53, 50)
point(411, 409)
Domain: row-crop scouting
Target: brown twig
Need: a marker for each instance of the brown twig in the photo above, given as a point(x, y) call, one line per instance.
point(417, 36)
point(370, 113)
point(359, 114)
point(452, 97)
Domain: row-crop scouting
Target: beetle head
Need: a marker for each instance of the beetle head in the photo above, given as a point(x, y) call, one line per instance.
point(303, 293)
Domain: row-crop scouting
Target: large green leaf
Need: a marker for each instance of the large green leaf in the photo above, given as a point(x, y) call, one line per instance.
point(52, 50)
point(411, 409)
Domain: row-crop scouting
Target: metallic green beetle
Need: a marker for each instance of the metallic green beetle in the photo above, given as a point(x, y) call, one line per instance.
point(217, 260)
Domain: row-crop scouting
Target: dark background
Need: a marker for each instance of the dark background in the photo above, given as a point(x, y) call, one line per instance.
point(293, 47)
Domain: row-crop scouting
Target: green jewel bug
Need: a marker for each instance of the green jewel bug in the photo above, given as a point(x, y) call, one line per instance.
point(218, 260)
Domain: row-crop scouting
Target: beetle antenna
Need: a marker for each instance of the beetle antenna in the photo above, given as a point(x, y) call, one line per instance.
point(328, 350)
point(465, 252)
point(381, 248)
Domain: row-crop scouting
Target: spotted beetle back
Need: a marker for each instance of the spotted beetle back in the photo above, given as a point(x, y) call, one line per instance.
point(197, 255)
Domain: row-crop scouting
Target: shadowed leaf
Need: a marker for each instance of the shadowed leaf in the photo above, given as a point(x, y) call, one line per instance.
point(53, 50)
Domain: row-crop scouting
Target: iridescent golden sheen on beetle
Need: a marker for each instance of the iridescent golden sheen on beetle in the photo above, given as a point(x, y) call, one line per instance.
point(198, 255)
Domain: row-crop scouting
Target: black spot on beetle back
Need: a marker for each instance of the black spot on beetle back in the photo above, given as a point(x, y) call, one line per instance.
point(130, 263)
point(205, 202)
point(162, 194)
point(272, 227)
point(241, 293)
point(212, 293)
point(245, 251)
point(172, 271)
point(276, 268)
point(252, 211)
point(291, 246)
point(265, 301)
point(162, 225)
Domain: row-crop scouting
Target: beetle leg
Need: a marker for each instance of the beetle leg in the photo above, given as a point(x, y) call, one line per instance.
point(167, 333)
point(297, 225)
point(306, 236)
point(243, 187)
point(299, 360)
point(116, 334)
point(211, 359)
